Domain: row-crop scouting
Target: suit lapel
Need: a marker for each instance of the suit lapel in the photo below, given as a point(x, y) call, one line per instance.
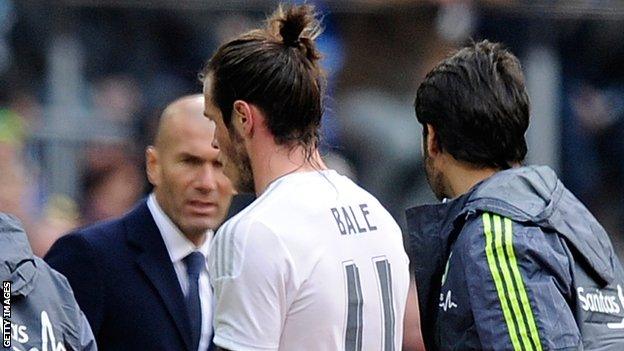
point(153, 259)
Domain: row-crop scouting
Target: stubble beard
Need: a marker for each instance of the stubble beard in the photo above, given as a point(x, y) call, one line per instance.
point(245, 181)
point(435, 179)
point(244, 178)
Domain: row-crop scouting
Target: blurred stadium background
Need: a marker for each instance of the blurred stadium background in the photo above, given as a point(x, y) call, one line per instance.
point(82, 83)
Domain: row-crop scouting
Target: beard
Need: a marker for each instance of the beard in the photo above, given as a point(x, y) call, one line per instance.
point(240, 165)
point(245, 180)
point(435, 178)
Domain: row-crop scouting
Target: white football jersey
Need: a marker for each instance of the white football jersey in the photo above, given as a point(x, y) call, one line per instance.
point(315, 263)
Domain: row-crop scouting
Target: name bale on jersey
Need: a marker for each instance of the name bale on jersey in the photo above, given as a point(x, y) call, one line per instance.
point(350, 221)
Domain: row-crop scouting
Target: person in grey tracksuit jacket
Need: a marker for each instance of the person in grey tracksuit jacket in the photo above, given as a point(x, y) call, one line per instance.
point(517, 263)
point(43, 312)
point(514, 261)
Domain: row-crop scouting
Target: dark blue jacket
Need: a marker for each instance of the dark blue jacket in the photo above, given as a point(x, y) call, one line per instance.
point(43, 312)
point(125, 283)
point(518, 263)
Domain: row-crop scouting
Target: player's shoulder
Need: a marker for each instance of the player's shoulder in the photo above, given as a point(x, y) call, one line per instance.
point(243, 223)
point(259, 213)
point(483, 230)
point(369, 204)
point(286, 196)
point(350, 190)
point(241, 237)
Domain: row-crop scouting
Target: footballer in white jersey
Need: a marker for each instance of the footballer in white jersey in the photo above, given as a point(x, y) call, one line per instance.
point(315, 263)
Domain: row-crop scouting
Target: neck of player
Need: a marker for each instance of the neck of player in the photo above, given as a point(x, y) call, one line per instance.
point(271, 163)
point(462, 177)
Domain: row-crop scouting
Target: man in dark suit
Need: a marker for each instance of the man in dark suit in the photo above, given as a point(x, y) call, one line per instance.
point(141, 279)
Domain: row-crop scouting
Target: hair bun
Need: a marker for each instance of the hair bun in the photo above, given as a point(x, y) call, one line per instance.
point(296, 23)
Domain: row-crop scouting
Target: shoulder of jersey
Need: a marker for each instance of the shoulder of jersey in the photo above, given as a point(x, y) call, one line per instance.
point(227, 251)
point(229, 246)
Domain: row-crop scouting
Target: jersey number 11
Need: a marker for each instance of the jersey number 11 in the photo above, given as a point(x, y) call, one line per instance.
point(355, 304)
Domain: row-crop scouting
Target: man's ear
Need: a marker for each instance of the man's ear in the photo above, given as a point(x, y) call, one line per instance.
point(432, 142)
point(243, 117)
point(152, 165)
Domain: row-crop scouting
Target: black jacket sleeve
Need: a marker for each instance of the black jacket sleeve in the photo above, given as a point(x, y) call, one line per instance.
point(75, 258)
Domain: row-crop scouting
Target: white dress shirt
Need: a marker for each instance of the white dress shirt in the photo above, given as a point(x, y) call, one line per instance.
point(179, 247)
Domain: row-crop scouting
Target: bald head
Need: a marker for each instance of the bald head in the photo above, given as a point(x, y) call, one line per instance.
point(187, 110)
point(183, 166)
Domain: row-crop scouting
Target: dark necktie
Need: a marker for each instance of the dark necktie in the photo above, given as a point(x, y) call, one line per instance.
point(194, 263)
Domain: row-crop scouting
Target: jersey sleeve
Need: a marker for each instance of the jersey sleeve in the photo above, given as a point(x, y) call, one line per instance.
point(252, 276)
point(514, 278)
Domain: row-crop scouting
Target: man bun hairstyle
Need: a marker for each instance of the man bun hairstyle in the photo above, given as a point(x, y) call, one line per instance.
point(277, 69)
point(477, 103)
point(298, 26)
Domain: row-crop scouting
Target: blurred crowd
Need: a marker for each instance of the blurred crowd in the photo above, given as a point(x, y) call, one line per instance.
point(81, 87)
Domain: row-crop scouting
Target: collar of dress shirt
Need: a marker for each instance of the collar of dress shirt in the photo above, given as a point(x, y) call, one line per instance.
point(178, 245)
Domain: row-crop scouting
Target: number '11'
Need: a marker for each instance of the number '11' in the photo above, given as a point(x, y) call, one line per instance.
point(355, 304)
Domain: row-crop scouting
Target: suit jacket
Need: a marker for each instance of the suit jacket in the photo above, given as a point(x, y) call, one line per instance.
point(125, 283)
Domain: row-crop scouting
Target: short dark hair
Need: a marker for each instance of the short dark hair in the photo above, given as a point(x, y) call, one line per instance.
point(275, 68)
point(477, 103)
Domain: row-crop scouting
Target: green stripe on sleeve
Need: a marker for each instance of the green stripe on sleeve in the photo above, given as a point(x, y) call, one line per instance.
point(524, 299)
point(487, 228)
point(510, 292)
